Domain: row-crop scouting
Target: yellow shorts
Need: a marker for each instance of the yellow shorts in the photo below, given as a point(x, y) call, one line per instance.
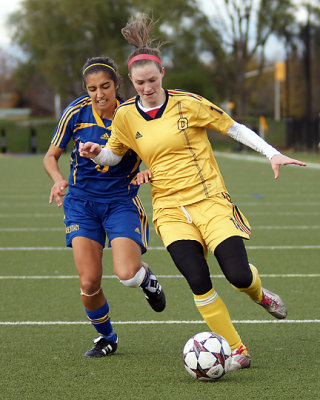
point(209, 221)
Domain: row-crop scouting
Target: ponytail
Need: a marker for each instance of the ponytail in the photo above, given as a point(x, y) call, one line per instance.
point(137, 33)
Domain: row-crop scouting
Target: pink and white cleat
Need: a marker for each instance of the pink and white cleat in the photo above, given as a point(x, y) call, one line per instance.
point(240, 359)
point(273, 304)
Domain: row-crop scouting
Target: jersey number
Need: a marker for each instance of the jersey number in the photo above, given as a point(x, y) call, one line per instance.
point(104, 169)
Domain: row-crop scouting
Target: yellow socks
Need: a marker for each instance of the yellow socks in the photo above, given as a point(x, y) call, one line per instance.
point(254, 291)
point(216, 315)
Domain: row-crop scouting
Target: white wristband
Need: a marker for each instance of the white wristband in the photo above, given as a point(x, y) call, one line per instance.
point(107, 157)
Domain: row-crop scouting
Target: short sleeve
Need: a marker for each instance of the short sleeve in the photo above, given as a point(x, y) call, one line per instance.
point(212, 117)
point(114, 142)
point(64, 130)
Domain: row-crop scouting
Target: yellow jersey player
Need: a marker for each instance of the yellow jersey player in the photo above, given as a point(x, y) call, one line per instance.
point(192, 208)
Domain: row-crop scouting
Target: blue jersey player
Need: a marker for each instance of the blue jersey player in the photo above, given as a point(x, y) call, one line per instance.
point(101, 202)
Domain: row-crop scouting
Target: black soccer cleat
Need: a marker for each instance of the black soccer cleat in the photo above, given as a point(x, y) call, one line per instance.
point(155, 294)
point(102, 347)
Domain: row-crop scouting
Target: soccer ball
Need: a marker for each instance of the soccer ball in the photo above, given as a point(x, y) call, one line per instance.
point(207, 356)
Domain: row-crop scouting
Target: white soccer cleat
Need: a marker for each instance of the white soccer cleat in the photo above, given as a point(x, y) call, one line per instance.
point(240, 359)
point(273, 304)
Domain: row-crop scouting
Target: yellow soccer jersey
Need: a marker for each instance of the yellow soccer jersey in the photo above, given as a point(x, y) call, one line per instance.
point(174, 145)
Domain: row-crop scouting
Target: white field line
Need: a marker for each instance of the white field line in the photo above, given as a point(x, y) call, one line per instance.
point(44, 215)
point(32, 229)
point(256, 158)
point(286, 227)
point(290, 213)
point(262, 227)
point(24, 196)
point(31, 215)
point(266, 203)
point(263, 200)
point(311, 247)
point(288, 321)
point(149, 204)
point(23, 204)
point(159, 276)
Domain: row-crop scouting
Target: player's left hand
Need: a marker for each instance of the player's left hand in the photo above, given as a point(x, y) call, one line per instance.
point(143, 177)
point(279, 159)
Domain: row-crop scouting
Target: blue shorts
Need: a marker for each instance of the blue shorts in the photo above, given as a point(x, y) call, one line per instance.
point(94, 220)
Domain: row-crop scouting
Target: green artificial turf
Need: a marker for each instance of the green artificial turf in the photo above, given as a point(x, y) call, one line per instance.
point(44, 331)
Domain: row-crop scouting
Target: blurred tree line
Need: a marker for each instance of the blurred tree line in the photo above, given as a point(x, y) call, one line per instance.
point(210, 56)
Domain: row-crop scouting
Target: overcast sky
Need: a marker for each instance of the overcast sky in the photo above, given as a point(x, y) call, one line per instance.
point(8, 6)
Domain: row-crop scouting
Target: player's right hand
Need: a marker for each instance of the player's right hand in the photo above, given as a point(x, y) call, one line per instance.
point(89, 149)
point(57, 192)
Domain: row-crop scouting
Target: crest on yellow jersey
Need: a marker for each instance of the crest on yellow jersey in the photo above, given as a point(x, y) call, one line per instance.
point(182, 124)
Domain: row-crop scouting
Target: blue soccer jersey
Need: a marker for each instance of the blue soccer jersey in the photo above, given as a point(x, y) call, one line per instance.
point(81, 123)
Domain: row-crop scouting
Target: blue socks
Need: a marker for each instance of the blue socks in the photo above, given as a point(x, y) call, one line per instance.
point(146, 280)
point(100, 319)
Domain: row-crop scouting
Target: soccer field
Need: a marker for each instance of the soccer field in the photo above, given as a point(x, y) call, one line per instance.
point(44, 331)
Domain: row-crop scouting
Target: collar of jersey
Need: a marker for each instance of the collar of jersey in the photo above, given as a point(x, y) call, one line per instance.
point(97, 116)
point(159, 113)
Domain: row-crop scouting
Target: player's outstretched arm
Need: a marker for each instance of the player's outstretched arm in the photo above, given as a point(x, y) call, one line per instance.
point(244, 135)
point(89, 149)
point(102, 156)
point(279, 159)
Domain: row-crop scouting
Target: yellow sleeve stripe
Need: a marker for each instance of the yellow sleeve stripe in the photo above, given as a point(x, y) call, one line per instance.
point(62, 125)
point(126, 103)
point(64, 116)
point(129, 101)
point(177, 92)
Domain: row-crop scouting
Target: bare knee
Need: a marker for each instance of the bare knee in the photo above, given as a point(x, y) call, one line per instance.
point(90, 284)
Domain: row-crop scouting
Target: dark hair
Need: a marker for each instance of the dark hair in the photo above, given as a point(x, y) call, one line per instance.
point(136, 32)
point(105, 64)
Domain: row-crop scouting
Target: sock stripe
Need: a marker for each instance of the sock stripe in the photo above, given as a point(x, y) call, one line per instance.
point(101, 320)
point(204, 301)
